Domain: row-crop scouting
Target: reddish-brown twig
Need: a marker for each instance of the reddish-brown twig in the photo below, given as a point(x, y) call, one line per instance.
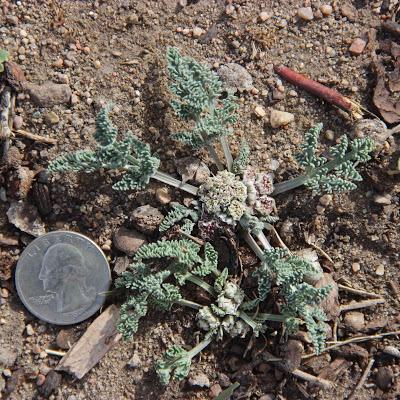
point(330, 95)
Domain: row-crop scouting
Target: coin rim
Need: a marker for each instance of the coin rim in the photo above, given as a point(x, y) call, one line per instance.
point(20, 291)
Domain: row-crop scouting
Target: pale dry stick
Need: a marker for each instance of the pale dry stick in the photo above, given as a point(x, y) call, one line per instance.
point(359, 291)
point(361, 304)
point(55, 352)
point(195, 239)
point(363, 378)
point(267, 357)
point(313, 379)
point(326, 255)
point(5, 108)
point(279, 239)
point(33, 136)
point(334, 329)
point(357, 339)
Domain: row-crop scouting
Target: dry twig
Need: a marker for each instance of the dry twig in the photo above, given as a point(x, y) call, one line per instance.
point(311, 378)
point(5, 111)
point(359, 291)
point(330, 95)
point(356, 339)
point(36, 138)
point(361, 304)
point(362, 380)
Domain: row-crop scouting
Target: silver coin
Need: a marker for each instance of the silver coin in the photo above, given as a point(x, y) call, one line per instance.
point(61, 277)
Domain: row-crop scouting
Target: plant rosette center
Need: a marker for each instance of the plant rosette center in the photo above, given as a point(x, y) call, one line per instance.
point(230, 198)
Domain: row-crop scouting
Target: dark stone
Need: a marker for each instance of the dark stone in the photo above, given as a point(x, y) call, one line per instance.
point(51, 384)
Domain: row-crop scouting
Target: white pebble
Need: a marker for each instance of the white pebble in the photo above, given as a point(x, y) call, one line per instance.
point(305, 13)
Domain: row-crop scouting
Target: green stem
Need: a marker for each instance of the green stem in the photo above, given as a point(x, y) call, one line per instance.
point(201, 346)
point(199, 282)
point(253, 244)
point(170, 180)
point(290, 184)
point(264, 241)
point(249, 321)
point(188, 303)
point(270, 317)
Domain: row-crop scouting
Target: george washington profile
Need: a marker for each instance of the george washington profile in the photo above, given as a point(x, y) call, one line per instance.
point(65, 274)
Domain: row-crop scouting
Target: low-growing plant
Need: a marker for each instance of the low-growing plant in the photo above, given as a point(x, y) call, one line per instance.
point(238, 197)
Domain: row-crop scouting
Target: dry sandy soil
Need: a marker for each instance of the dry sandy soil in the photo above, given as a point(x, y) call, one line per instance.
point(115, 51)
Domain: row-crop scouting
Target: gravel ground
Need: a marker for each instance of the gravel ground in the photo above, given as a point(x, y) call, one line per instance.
point(115, 51)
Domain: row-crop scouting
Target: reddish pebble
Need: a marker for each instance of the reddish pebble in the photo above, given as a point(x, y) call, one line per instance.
point(40, 379)
point(357, 47)
point(17, 122)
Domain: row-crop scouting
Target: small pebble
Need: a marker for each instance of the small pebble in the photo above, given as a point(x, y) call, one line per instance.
point(260, 112)
point(40, 379)
point(380, 270)
point(51, 118)
point(383, 199)
point(330, 51)
point(305, 13)
point(349, 11)
point(326, 10)
point(354, 321)
point(200, 380)
point(215, 390)
point(29, 330)
point(329, 135)
point(12, 19)
point(58, 63)
point(17, 122)
point(229, 9)
point(163, 195)
point(384, 377)
point(264, 15)
point(356, 267)
point(280, 118)
point(197, 32)
point(7, 372)
point(23, 33)
point(97, 64)
point(134, 362)
point(326, 199)
point(393, 351)
point(357, 47)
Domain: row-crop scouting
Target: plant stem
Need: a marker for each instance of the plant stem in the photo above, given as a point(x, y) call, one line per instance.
point(253, 244)
point(170, 180)
point(264, 241)
point(290, 184)
point(199, 282)
point(188, 303)
point(227, 153)
point(201, 346)
point(270, 317)
point(249, 321)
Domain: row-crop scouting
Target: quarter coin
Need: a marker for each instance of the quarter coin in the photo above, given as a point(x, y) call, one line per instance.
point(61, 277)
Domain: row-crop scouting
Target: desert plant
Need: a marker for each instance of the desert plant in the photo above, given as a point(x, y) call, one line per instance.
point(239, 197)
point(162, 268)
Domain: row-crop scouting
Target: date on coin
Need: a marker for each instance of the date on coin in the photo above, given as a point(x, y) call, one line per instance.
point(61, 277)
